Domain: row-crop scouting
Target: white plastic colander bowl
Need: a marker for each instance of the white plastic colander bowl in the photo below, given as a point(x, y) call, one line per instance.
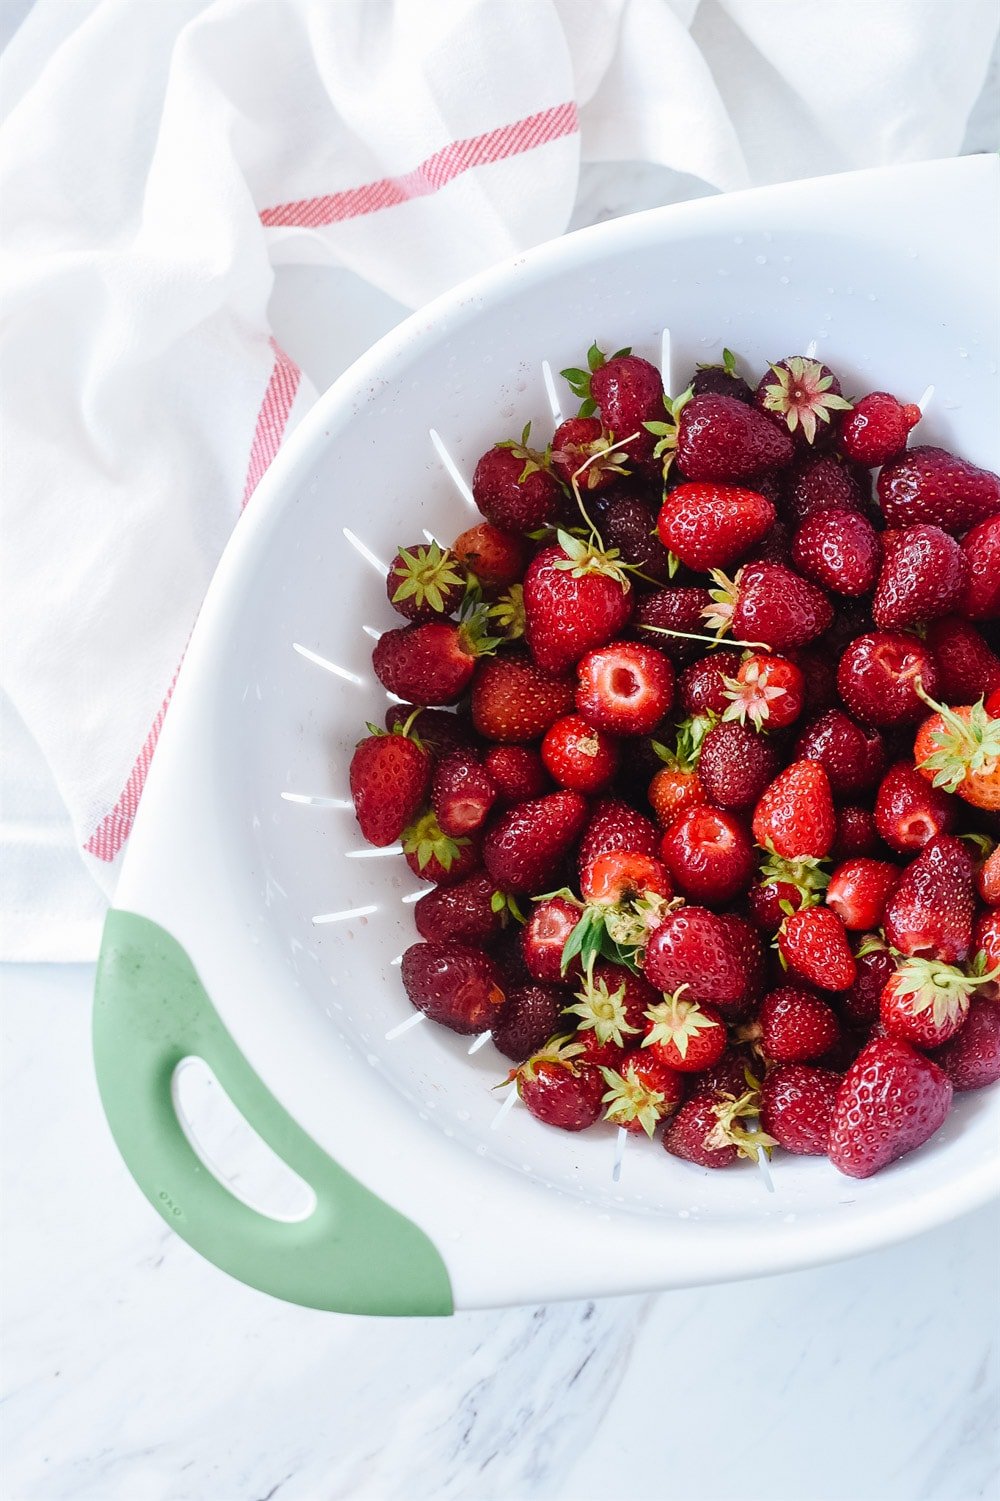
point(214, 949)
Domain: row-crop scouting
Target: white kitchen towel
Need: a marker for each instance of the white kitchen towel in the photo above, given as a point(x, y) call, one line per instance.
point(158, 159)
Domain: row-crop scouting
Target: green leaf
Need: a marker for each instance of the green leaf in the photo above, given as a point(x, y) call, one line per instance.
point(574, 375)
point(595, 357)
point(587, 408)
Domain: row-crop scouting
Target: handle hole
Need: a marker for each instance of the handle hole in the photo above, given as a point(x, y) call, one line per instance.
point(232, 1150)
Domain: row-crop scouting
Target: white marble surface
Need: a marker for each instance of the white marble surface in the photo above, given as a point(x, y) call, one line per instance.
point(133, 1371)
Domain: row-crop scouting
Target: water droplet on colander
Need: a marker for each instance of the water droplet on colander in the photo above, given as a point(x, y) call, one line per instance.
point(761, 260)
point(784, 280)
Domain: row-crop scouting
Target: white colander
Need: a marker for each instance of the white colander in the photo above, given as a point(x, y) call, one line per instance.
point(254, 930)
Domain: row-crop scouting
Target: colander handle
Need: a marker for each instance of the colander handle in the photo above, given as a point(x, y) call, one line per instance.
point(354, 1253)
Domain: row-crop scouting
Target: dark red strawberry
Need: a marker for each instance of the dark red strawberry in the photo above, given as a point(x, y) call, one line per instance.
point(625, 688)
point(929, 916)
point(612, 1003)
point(425, 582)
point(794, 1026)
point(560, 1088)
point(527, 1019)
point(909, 812)
point(512, 487)
point(685, 1035)
point(577, 756)
point(785, 886)
point(525, 845)
point(453, 984)
point(820, 482)
point(804, 396)
point(877, 429)
point(513, 700)
point(679, 610)
point(576, 597)
point(544, 937)
point(614, 825)
point(433, 663)
point(693, 947)
point(767, 604)
point(462, 794)
point(878, 674)
point(925, 1002)
point(859, 1003)
point(517, 772)
point(922, 579)
point(967, 669)
point(852, 756)
point(794, 817)
point(859, 890)
point(796, 1107)
point(719, 438)
point(584, 452)
point(629, 392)
point(930, 485)
point(720, 380)
point(470, 912)
point(715, 1130)
point(497, 558)
point(839, 550)
point(438, 729)
point(641, 1092)
point(736, 765)
point(890, 1101)
point(856, 833)
point(702, 686)
point(813, 944)
point(436, 856)
point(710, 526)
point(744, 941)
point(972, 1058)
point(709, 855)
point(981, 596)
point(389, 776)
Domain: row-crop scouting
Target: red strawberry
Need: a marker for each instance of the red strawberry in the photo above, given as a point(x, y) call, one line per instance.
point(711, 525)
point(513, 489)
point(641, 1091)
point(453, 984)
point(813, 944)
point(839, 550)
point(525, 845)
point(820, 482)
point(576, 597)
point(560, 1088)
point(612, 1002)
point(877, 429)
point(545, 936)
point(794, 1025)
point(986, 941)
point(859, 890)
point(785, 885)
point(619, 877)
point(967, 668)
point(803, 395)
point(526, 1020)
point(702, 686)
point(796, 1106)
point(988, 879)
point(959, 749)
point(794, 817)
point(767, 604)
point(745, 943)
point(512, 700)
point(714, 1130)
point(933, 486)
point(972, 1058)
point(909, 812)
point(677, 785)
point(878, 674)
point(720, 380)
point(891, 1100)
point(497, 558)
point(709, 855)
point(579, 757)
point(628, 526)
point(856, 833)
point(516, 771)
point(685, 1035)
point(929, 916)
point(859, 1003)
point(425, 582)
point(583, 451)
point(629, 391)
point(693, 947)
point(767, 690)
point(438, 729)
point(432, 663)
point(389, 776)
point(719, 438)
point(852, 757)
point(736, 765)
point(667, 610)
point(614, 825)
point(463, 793)
point(436, 856)
point(470, 912)
point(925, 1002)
point(625, 688)
point(981, 596)
point(921, 579)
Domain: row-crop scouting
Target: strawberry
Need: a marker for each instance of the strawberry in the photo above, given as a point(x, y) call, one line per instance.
point(677, 785)
point(988, 879)
point(796, 1106)
point(628, 526)
point(526, 1020)
point(517, 772)
point(627, 389)
point(813, 944)
point(794, 817)
point(735, 765)
point(576, 597)
point(972, 1058)
point(959, 750)
point(767, 604)
point(436, 856)
point(909, 812)
point(930, 914)
point(685, 1035)
point(877, 429)
point(744, 942)
point(513, 488)
point(859, 890)
point(986, 941)
point(852, 756)
point(616, 826)
point(923, 578)
point(709, 526)
point(719, 438)
point(967, 668)
point(579, 757)
point(981, 596)
point(856, 833)
point(802, 395)
point(462, 794)
point(785, 886)
point(544, 938)
point(878, 674)
point(513, 701)
point(432, 663)
point(497, 558)
point(612, 1002)
point(425, 582)
point(859, 1004)
point(453, 984)
point(925, 1002)
point(720, 380)
point(709, 855)
point(617, 877)
point(438, 729)
point(680, 610)
point(702, 686)
point(839, 550)
point(794, 1026)
point(767, 690)
point(930, 485)
point(641, 1091)
point(716, 1129)
point(820, 482)
point(388, 777)
point(583, 451)
point(625, 688)
point(891, 1101)
point(525, 845)
point(560, 1088)
point(693, 947)
point(470, 912)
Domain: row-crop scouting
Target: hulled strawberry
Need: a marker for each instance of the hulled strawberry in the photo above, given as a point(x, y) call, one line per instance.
point(432, 664)
point(560, 1088)
point(891, 1100)
point(859, 891)
point(769, 605)
point(513, 488)
point(972, 1058)
point(462, 794)
point(718, 438)
point(879, 674)
point(838, 550)
point(767, 690)
point(921, 579)
point(877, 429)
point(804, 396)
point(576, 597)
point(794, 817)
point(514, 701)
point(909, 811)
point(709, 855)
point(959, 750)
point(988, 878)
point(525, 845)
point(453, 984)
point(544, 939)
point(708, 526)
point(693, 947)
point(930, 914)
point(625, 688)
point(796, 1107)
point(641, 1092)
point(813, 944)
point(389, 777)
point(425, 582)
point(930, 486)
point(715, 1130)
point(619, 876)
point(526, 1020)
point(687, 1036)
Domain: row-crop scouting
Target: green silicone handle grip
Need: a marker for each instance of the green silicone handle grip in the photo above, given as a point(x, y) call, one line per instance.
point(353, 1254)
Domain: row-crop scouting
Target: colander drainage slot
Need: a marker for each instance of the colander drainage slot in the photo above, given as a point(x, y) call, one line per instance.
point(231, 1149)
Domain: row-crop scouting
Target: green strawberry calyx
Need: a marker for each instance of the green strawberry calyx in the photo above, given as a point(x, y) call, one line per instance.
point(426, 575)
point(508, 612)
point(558, 1052)
point(426, 840)
point(728, 364)
point(676, 1021)
point(586, 557)
point(962, 747)
point(668, 433)
point(534, 458)
point(602, 1010)
point(628, 1099)
point(730, 1114)
point(594, 460)
point(808, 876)
point(941, 989)
point(686, 751)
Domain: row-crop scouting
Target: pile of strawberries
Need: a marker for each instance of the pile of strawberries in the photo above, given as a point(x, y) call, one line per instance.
point(712, 830)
